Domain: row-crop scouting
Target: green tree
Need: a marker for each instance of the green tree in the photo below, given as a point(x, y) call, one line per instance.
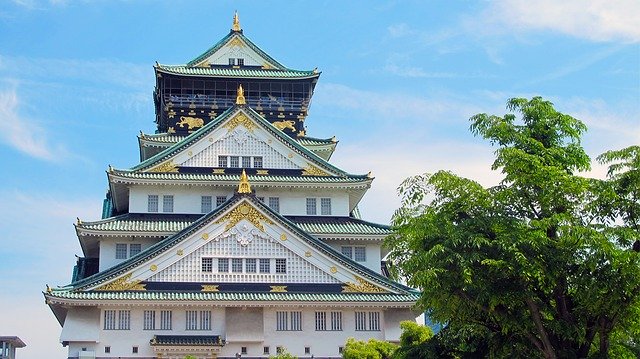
point(372, 349)
point(412, 339)
point(537, 264)
point(283, 354)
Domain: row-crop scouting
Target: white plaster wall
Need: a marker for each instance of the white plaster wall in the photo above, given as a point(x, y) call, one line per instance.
point(372, 252)
point(188, 199)
point(108, 249)
point(81, 324)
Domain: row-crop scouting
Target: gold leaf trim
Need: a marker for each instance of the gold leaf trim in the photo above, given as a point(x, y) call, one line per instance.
point(153, 267)
point(218, 171)
point(209, 288)
point(311, 170)
point(278, 289)
point(307, 254)
point(237, 120)
point(236, 42)
point(244, 211)
point(262, 172)
point(122, 284)
point(283, 237)
point(205, 236)
point(361, 287)
point(333, 270)
point(166, 167)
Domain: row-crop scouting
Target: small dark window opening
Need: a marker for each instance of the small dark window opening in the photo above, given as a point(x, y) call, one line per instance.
point(134, 350)
point(240, 62)
point(243, 350)
point(107, 349)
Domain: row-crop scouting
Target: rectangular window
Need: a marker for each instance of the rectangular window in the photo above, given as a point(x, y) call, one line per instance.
point(207, 265)
point(134, 248)
point(282, 321)
point(109, 319)
point(257, 162)
point(296, 321)
point(205, 204)
point(167, 203)
point(152, 203)
point(121, 251)
point(361, 321)
point(307, 350)
point(243, 350)
point(325, 206)
point(240, 62)
point(232, 61)
point(220, 200)
point(281, 265)
point(311, 206)
point(265, 350)
point(149, 321)
point(222, 161)
point(274, 204)
point(250, 265)
point(321, 321)
point(374, 321)
point(279, 350)
point(336, 321)
point(246, 162)
point(223, 265)
point(205, 320)
point(107, 349)
point(192, 320)
point(236, 265)
point(134, 350)
point(360, 254)
point(347, 251)
point(124, 317)
point(265, 265)
point(165, 319)
point(234, 161)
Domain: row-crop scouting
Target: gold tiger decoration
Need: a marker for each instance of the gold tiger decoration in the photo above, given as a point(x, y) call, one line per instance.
point(191, 122)
point(281, 125)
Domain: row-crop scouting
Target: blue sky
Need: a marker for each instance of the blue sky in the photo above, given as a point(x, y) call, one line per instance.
point(399, 81)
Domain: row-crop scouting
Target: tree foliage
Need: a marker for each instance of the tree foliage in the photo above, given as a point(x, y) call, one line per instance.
point(283, 354)
point(540, 265)
point(372, 349)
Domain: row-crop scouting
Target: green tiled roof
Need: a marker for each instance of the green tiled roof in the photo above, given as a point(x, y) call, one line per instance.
point(245, 72)
point(253, 179)
point(311, 141)
point(235, 296)
point(187, 340)
point(161, 137)
point(314, 225)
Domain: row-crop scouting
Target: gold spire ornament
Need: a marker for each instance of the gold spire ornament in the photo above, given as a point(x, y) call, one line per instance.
point(236, 23)
point(240, 98)
point(244, 186)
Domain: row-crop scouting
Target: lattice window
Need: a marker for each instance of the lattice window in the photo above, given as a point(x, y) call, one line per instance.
point(282, 321)
point(359, 254)
point(321, 321)
point(246, 161)
point(336, 321)
point(257, 161)
point(167, 203)
point(109, 320)
point(223, 265)
point(265, 265)
point(361, 321)
point(274, 204)
point(325, 206)
point(234, 161)
point(152, 203)
point(149, 320)
point(347, 251)
point(134, 248)
point(296, 321)
point(165, 319)
point(250, 265)
point(220, 200)
point(222, 161)
point(205, 320)
point(207, 265)
point(121, 250)
point(124, 319)
point(281, 265)
point(191, 320)
point(205, 204)
point(374, 321)
point(311, 206)
point(236, 265)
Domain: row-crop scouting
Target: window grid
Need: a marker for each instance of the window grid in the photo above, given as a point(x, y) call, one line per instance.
point(207, 265)
point(124, 317)
point(265, 265)
point(149, 322)
point(152, 203)
point(281, 265)
point(205, 320)
point(134, 248)
point(109, 320)
point(321, 321)
point(222, 161)
point(257, 162)
point(296, 321)
point(359, 254)
point(165, 320)
point(361, 321)
point(205, 204)
point(223, 265)
point(236, 265)
point(282, 321)
point(311, 206)
point(250, 265)
point(234, 161)
point(167, 203)
point(347, 251)
point(274, 204)
point(191, 320)
point(325, 206)
point(121, 251)
point(220, 200)
point(374, 321)
point(336, 321)
point(246, 161)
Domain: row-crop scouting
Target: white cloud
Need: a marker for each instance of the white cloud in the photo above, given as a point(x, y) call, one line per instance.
point(22, 133)
point(596, 20)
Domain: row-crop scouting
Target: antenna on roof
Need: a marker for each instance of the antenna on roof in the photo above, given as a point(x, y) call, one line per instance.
point(240, 98)
point(244, 186)
point(236, 22)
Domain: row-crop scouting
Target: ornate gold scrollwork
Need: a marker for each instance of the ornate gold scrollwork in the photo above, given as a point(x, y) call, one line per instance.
point(122, 284)
point(165, 167)
point(240, 119)
point(278, 289)
point(361, 287)
point(210, 288)
point(244, 211)
point(311, 170)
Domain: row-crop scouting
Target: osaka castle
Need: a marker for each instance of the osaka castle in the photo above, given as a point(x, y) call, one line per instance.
point(234, 236)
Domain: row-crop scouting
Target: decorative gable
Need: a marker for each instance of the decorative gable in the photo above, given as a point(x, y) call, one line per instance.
point(236, 48)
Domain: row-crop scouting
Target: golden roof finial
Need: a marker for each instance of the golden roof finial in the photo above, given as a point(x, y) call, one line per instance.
point(240, 98)
point(244, 186)
point(236, 22)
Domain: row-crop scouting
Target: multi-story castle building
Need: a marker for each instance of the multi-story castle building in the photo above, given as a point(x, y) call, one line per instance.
point(234, 236)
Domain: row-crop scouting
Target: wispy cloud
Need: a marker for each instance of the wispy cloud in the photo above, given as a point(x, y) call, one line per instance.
point(24, 134)
point(416, 72)
point(596, 20)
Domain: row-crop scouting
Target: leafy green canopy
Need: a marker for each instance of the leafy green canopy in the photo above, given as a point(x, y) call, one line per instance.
point(540, 263)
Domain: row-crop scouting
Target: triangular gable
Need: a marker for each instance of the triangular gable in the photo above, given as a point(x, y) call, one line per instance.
point(234, 128)
point(224, 226)
point(236, 45)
